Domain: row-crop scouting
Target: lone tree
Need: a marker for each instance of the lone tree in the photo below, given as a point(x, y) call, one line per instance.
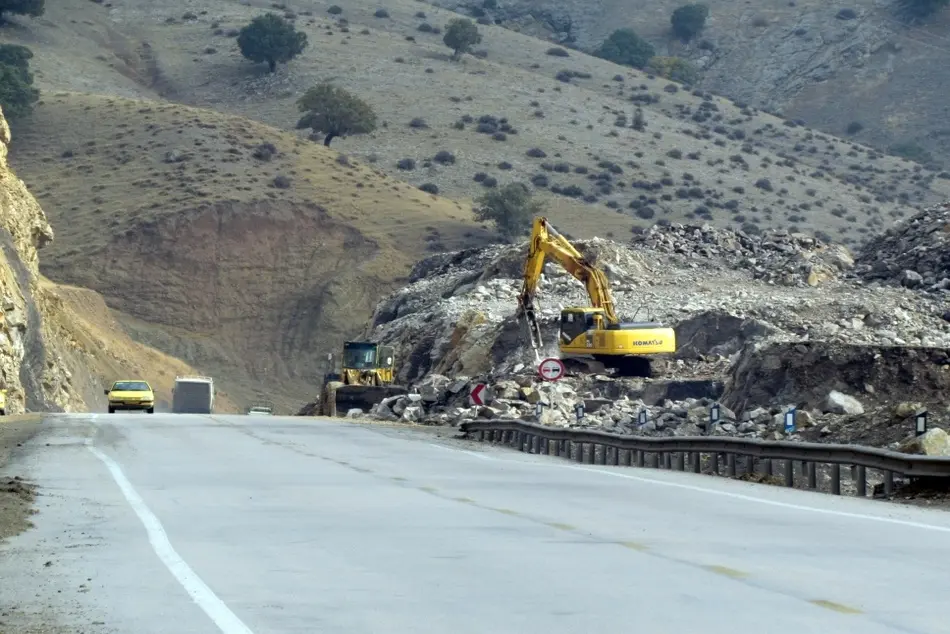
point(510, 208)
point(335, 112)
point(461, 35)
point(272, 39)
point(916, 10)
point(689, 20)
point(32, 8)
point(17, 94)
point(627, 48)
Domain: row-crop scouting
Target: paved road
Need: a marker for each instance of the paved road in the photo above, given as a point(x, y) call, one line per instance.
point(196, 524)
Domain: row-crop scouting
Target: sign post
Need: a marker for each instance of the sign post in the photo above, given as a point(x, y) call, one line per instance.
point(476, 394)
point(790, 421)
point(551, 369)
point(921, 423)
point(713, 417)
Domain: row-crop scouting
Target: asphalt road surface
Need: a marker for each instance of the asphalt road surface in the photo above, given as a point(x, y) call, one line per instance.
point(204, 524)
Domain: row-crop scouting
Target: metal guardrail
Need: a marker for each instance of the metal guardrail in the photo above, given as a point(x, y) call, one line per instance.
point(689, 450)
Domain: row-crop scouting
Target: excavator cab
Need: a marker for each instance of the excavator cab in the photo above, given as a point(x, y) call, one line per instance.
point(578, 321)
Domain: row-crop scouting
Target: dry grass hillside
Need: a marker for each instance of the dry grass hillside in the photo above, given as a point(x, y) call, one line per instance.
point(237, 247)
point(699, 155)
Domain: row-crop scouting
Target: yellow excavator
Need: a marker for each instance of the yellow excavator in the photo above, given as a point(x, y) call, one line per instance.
point(365, 378)
point(592, 336)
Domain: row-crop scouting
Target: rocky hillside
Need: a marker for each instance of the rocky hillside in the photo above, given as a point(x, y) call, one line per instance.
point(763, 323)
point(842, 68)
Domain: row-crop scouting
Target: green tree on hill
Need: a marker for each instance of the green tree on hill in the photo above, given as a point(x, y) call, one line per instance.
point(17, 94)
point(272, 39)
point(334, 112)
point(460, 36)
point(32, 8)
point(914, 10)
point(511, 208)
point(689, 20)
point(627, 48)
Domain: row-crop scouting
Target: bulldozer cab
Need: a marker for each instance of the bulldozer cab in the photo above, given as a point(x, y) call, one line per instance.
point(367, 363)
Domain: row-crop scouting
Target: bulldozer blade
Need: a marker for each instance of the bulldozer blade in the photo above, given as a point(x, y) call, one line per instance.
point(343, 398)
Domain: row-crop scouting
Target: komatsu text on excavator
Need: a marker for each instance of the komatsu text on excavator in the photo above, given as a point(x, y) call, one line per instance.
point(591, 335)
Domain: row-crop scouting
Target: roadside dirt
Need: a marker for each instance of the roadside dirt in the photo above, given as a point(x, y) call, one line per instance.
point(16, 495)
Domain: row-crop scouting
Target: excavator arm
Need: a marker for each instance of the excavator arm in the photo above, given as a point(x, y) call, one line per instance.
point(547, 242)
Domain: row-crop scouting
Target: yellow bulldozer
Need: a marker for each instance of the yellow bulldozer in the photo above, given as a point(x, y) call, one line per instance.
point(591, 337)
point(364, 378)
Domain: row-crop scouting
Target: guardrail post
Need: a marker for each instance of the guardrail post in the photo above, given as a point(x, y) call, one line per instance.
point(812, 476)
point(580, 451)
point(592, 454)
point(888, 482)
point(681, 460)
point(789, 473)
point(615, 456)
point(714, 462)
point(731, 465)
point(836, 479)
point(667, 460)
point(750, 465)
point(861, 480)
point(768, 467)
point(641, 458)
point(697, 462)
point(481, 435)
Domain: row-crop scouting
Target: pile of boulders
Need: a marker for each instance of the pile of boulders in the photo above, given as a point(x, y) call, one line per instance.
point(763, 321)
point(638, 407)
point(914, 253)
point(781, 257)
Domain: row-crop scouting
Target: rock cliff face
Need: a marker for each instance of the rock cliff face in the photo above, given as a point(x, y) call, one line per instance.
point(32, 367)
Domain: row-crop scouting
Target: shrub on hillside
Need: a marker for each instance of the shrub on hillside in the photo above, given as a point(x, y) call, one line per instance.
point(689, 20)
point(17, 94)
point(32, 8)
point(625, 47)
point(510, 208)
point(461, 35)
point(674, 68)
point(272, 39)
point(334, 112)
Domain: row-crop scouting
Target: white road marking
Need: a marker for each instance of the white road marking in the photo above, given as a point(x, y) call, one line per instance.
point(701, 489)
point(206, 599)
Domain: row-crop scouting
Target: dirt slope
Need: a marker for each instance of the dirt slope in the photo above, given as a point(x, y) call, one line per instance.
point(174, 219)
point(699, 157)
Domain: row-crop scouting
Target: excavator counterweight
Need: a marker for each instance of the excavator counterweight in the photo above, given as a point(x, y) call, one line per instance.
point(590, 336)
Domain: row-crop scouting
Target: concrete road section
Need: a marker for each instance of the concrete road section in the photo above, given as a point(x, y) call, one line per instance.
point(198, 524)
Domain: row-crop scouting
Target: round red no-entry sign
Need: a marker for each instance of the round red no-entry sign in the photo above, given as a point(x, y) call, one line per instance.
point(551, 369)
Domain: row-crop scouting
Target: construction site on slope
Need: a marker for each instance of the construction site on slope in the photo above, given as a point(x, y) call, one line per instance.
point(858, 344)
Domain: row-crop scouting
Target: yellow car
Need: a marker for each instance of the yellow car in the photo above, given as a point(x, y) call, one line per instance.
point(131, 395)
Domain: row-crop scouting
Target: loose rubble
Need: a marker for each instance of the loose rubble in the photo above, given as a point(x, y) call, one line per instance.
point(764, 323)
point(914, 254)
